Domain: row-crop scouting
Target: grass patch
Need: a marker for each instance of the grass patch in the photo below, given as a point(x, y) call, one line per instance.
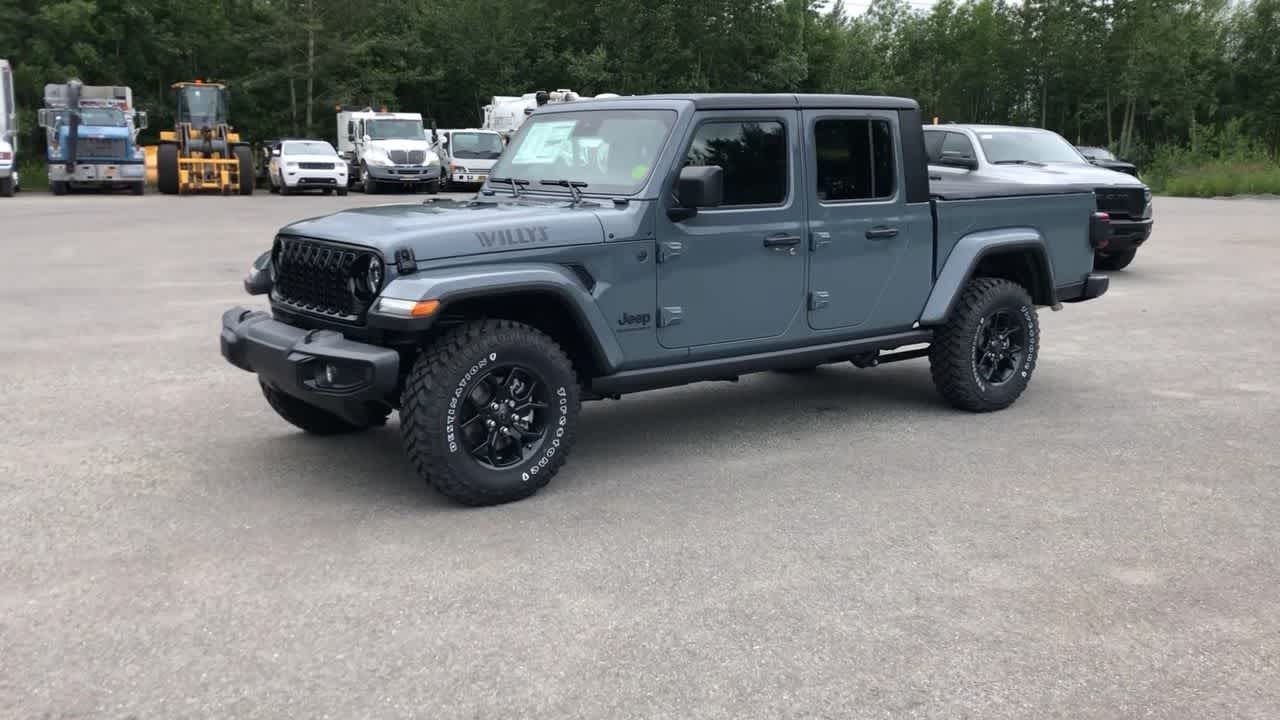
point(33, 174)
point(1219, 179)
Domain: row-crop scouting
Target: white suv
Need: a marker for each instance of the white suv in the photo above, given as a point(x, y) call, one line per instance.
point(298, 165)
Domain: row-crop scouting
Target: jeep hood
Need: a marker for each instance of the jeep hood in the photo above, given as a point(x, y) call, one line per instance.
point(452, 229)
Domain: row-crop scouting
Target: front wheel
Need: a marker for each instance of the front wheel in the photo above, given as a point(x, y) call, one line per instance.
point(489, 412)
point(59, 187)
point(1114, 261)
point(983, 356)
point(6, 187)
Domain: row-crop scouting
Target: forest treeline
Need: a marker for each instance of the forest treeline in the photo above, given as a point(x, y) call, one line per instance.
point(1132, 74)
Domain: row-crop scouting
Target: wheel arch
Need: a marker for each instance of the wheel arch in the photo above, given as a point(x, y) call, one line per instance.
point(1016, 254)
point(551, 298)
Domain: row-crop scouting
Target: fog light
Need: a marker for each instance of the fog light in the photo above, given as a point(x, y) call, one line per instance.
point(330, 374)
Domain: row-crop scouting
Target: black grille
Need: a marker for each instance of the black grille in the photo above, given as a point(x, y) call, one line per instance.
point(1128, 202)
point(408, 157)
point(322, 278)
point(105, 148)
point(315, 166)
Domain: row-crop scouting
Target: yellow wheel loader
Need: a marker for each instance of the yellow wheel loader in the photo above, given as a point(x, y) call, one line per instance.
point(202, 153)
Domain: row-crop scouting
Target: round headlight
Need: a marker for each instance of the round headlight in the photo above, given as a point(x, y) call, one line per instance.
point(373, 276)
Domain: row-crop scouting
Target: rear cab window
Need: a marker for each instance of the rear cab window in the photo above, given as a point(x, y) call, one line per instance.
point(854, 159)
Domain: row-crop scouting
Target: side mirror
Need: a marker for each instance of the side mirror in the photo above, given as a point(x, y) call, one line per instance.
point(47, 118)
point(951, 158)
point(699, 186)
point(366, 138)
point(258, 281)
point(140, 121)
point(275, 152)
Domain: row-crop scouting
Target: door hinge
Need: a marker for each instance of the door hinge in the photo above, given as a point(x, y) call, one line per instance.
point(819, 299)
point(669, 250)
point(819, 239)
point(669, 316)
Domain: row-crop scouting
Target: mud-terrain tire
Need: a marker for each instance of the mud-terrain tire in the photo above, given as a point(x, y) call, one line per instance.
point(1114, 261)
point(983, 356)
point(458, 387)
point(309, 417)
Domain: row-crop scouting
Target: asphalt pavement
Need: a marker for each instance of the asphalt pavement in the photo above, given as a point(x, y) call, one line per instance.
point(840, 545)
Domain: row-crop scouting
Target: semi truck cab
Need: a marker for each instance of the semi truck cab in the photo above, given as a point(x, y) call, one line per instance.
point(92, 136)
point(387, 150)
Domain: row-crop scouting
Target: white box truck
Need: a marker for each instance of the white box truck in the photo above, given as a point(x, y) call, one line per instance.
point(388, 149)
point(468, 155)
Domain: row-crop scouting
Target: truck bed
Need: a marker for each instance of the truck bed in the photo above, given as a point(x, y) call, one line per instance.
point(1059, 214)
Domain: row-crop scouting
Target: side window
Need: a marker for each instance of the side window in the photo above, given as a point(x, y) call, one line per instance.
point(933, 145)
point(854, 159)
point(958, 143)
point(753, 155)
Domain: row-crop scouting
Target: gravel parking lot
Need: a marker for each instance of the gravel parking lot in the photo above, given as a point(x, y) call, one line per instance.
point(840, 545)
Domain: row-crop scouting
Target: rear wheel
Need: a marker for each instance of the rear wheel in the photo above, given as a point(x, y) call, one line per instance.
point(489, 412)
point(6, 187)
point(1114, 261)
point(167, 169)
point(309, 417)
point(245, 158)
point(982, 358)
point(137, 188)
point(60, 187)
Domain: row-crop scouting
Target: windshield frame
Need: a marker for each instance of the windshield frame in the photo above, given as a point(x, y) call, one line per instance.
point(669, 117)
point(372, 123)
point(290, 147)
point(1072, 156)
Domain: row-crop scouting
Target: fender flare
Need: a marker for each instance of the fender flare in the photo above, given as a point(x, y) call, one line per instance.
point(970, 251)
point(457, 284)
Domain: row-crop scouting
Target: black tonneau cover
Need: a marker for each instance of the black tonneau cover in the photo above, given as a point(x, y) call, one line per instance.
point(965, 189)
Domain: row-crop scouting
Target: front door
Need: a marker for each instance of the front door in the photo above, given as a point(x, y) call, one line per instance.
point(864, 239)
point(736, 272)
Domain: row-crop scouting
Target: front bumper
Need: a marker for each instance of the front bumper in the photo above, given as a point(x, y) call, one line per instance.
point(1127, 234)
point(314, 179)
point(293, 360)
point(132, 172)
point(405, 173)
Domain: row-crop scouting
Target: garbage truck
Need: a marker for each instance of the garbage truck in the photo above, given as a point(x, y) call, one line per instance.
point(8, 133)
point(92, 134)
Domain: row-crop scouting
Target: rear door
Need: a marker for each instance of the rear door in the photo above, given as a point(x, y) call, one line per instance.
point(869, 247)
point(736, 272)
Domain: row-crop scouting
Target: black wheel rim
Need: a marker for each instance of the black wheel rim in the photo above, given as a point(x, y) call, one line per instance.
point(503, 421)
point(1001, 347)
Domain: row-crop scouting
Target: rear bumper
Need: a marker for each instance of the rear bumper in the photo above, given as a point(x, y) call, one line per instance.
point(293, 360)
point(1094, 285)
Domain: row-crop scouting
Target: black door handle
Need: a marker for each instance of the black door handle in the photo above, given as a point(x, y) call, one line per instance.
point(778, 241)
point(882, 233)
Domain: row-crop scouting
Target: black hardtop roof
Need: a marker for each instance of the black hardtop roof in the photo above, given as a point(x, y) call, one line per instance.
point(752, 101)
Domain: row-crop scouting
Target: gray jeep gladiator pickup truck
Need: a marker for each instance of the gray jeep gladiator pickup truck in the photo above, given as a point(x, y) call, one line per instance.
point(635, 243)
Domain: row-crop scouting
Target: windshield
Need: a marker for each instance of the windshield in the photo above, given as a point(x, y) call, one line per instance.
point(475, 146)
point(1012, 146)
point(202, 106)
point(1097, 153)
point(308, 148)
point(394, 130)
point(102, 117)
point(612, 151)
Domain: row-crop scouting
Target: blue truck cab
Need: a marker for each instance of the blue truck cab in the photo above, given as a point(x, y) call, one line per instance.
point(627, 244)
point(91, 134)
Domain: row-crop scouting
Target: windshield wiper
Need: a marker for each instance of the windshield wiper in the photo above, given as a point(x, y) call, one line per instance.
point(1018, 162)
point(515, 183)
point(573, 186)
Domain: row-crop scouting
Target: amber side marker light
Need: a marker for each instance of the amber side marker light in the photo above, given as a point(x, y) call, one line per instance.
point(408, 308)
